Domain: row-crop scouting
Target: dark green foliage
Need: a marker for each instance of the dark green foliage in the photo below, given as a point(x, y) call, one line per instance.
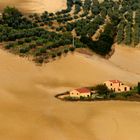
point(120, 33)
point(129, 16)
point(20, 42)
point(72, 49)
point(66, 51)
point(79, 44)
point(53, 55)
point(137, 28)
point(136, 34)
point(39, 60)
point(51, 33)
point(27, 40)
point(59, 54)
point(86, 6)
point(105, 42)
point(138, 87)
point(77, 8)
point(15, 19)
point(32, 45)
point(124, 95)
point(95, 10)
point(103, 12)
point(85, 27)
point(128, 35)
point(8, 46)
point(24, 50)
point(45, 16)
point(42, 50)
point(102, 89)
point(69, 5)
point(112, 95)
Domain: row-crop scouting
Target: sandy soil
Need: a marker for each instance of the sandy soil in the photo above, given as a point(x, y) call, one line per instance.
point(38, 6)
point(127, 58)
point(29, 111)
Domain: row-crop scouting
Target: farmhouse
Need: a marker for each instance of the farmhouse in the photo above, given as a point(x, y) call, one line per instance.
point(117, 86)
point(81, 92)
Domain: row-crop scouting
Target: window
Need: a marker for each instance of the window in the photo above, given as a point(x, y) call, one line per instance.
point(125, 88)
point(111, 84)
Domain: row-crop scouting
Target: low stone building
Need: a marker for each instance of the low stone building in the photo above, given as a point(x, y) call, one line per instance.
point(81, 92)
point(117, 86)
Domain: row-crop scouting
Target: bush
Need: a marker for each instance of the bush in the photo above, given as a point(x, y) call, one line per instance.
point(59, 53)
point(42, 50)
point(138, 87)
point(53, 55)
point(112, 95)
point(82, 98)
point(72, 49)
point(127, 94)
point(102, 89)
point(14, 18)
point(39, 60)
point(27, 40)
point(20, 42)
point(11, 45)
point(39, 42)
point(24, 50)
point(32, 45)
point(66, 51)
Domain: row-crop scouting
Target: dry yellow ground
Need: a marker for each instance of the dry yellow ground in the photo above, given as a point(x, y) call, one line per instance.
point(38, 6)
point(29, 111)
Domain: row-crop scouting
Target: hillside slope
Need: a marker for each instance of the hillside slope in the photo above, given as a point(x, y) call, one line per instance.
point(127, 58)
point(29, 109)
point(35, 6)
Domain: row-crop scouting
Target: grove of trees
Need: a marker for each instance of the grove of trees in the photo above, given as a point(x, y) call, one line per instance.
point(49, 35)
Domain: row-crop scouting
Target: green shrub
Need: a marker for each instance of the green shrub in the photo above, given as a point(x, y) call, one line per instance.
point(59, 53)
point(39, 60)
point(112, 95)
point(138, 87)
point(20, 42)
point(27, 40)
point(102, 89)
point(24, 50)
point(66, 51)
point(10, 45)
point(72, 49)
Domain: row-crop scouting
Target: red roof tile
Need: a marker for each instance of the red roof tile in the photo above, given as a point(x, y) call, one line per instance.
point(83, 90)
point(115, 81)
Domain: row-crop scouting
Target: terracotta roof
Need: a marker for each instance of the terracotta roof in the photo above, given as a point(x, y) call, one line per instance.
point(115, 81)
point(83, 90)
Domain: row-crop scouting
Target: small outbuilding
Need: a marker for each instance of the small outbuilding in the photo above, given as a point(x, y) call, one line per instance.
point(117, 86)
point(81, 92)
